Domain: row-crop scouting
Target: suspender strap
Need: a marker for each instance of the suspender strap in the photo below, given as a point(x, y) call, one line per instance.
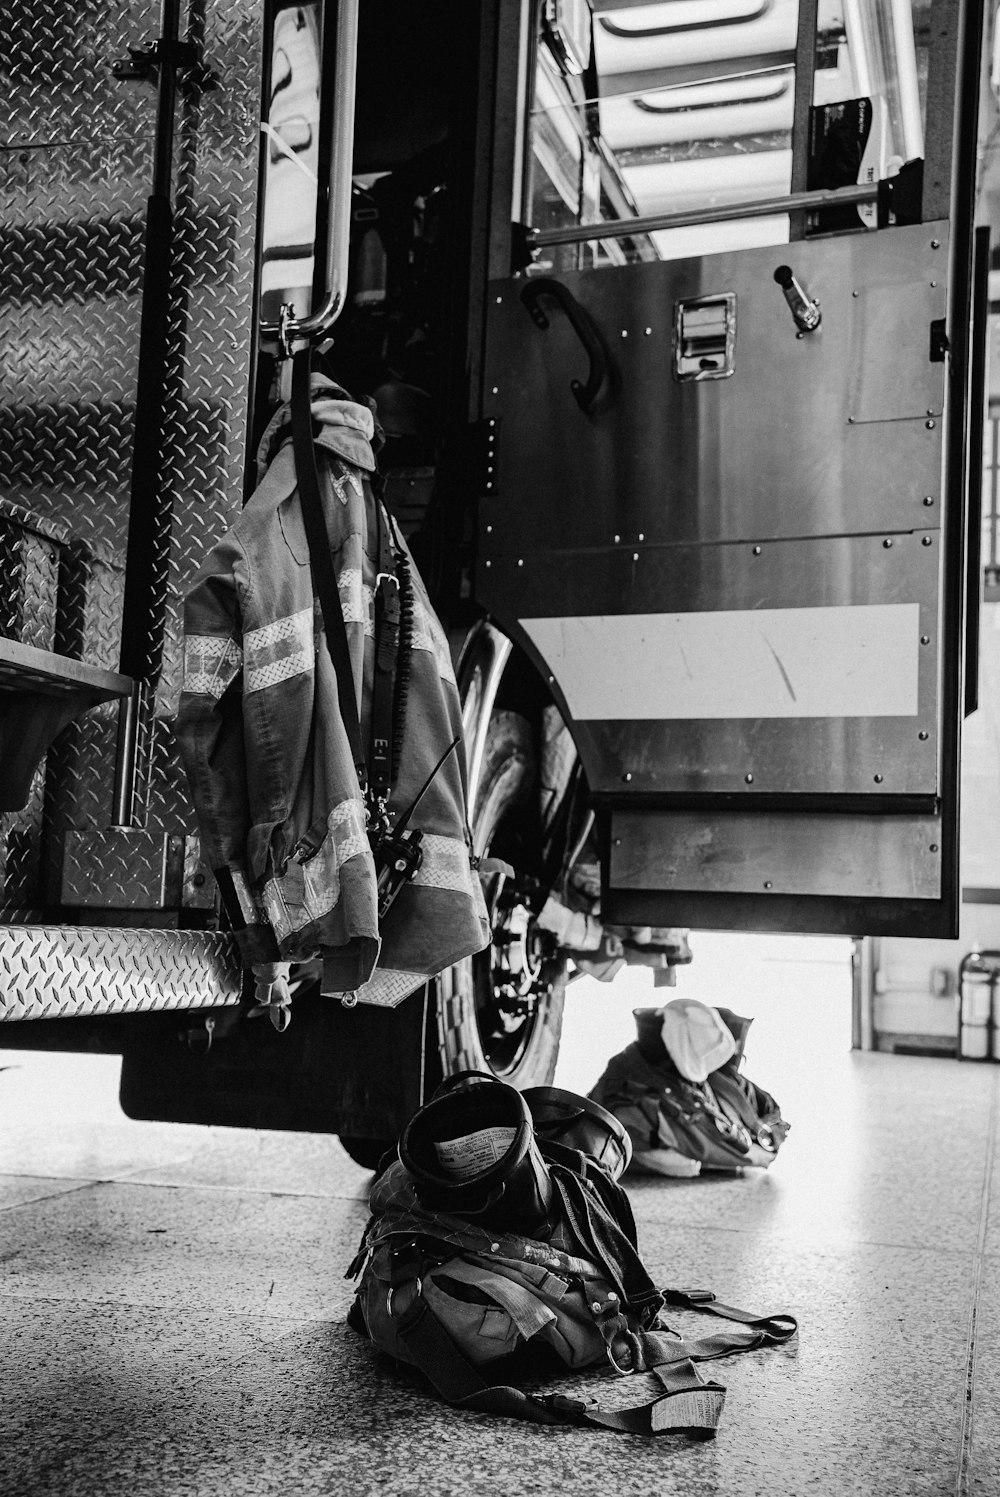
point(774, 1329)
point(320, 561)
point(686, 1404)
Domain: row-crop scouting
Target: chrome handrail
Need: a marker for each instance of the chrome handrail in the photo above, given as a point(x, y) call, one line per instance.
point(622, 228)
point(291, 328)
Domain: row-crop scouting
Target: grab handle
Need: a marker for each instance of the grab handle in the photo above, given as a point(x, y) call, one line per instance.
point(583, 326)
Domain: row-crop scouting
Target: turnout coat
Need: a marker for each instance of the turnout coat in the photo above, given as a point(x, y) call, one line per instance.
point(280, 809)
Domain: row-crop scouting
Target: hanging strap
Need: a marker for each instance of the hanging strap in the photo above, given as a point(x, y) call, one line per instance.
point(687, 1403)
point(775, 1329)
point(324, 577)
point(387, 622)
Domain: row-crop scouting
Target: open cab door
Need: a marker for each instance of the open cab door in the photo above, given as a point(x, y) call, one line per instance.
point(730, 411)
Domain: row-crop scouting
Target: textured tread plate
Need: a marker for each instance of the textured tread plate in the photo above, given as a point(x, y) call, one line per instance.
point(69, 972)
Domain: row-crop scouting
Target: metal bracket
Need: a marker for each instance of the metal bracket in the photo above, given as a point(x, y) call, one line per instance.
point(940, 345)
point(143, 63)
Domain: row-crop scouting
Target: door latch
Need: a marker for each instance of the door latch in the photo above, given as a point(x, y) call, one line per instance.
point(805, 311)
point(705, 337)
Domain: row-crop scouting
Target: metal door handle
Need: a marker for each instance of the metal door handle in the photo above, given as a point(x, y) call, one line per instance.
point(583, 326)
point(805, 311)
point(338, 237)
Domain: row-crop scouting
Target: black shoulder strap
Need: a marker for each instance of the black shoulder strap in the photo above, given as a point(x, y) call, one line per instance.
point(320, 561)
point(387, 628)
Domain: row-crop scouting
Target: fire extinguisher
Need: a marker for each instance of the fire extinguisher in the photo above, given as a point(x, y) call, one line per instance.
point(979, 1006)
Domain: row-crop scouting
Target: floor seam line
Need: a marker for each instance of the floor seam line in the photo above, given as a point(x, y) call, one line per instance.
point(962, 1488)
point(49, 1195)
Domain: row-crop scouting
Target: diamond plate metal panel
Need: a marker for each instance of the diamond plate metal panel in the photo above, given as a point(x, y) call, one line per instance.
point(29, 567)
point(65, 972)
point(66, 202)
point(167, 804)
point(80, 797)
point(75, 172)
point(122, 869)
point(90, 613)
point(58, 59)
point(20, 852)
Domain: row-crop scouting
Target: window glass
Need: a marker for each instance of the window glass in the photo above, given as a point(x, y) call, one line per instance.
point(869, 97)
point(682, 107)
point(291, 154)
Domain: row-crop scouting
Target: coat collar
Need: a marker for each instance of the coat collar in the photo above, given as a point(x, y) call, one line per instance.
point(347, 427)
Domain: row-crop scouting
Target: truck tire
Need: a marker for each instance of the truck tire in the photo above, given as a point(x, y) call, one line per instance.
point(501, 1010)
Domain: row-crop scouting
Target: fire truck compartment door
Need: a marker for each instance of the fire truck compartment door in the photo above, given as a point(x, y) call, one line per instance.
point(742, 588)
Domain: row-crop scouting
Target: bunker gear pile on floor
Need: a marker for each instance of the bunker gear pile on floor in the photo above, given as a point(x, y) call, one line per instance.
point(495, 1251)
point(680, 1091)
point(282, 815)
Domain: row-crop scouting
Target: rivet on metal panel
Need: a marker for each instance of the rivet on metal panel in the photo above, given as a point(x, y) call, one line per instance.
point(933, 283)
point(495, 390)
point(855, 293)
point(850, 420)
point(923, 735)
point(648, 331)
point(642, 536)
point(489, 530)
point(756, 550)
point(878, 779)
point(520, 561)
point(930, 425)
point(935, 244)
point(499, 300)
point(489, 563)
point(928, 500)
point(768, 884)
point(925, 639)
point(617, 841)
point(635, 556)
point(748, 778)
point(617, 539)
point(934, 847)
point(927, 541)
point(887, 544)
point(624, 332)
point(627, 776)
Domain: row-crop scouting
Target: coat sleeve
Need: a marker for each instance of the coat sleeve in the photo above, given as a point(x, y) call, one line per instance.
point(211, 739)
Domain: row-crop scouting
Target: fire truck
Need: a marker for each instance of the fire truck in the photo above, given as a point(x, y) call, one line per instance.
point(673, 315)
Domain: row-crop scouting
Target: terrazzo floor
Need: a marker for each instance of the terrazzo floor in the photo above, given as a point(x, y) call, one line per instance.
point(172, 1298)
